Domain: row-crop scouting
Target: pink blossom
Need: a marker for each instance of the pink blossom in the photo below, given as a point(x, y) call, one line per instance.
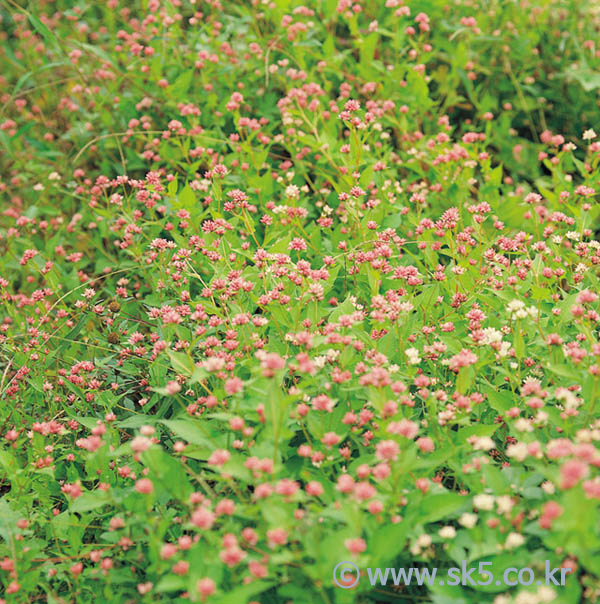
point(356, 545)
point(330, 439)
point(206, 587)
point(387, 450)
point(572, 472)
point(404, 427)
point(203, 518)
point(233, 385)
point(144, 485)
point(463, 359)
point(314, 488)
point(277, 536)
point(219, 457)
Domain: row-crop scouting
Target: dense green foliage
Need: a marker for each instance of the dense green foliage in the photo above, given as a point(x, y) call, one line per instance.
point(287, 285)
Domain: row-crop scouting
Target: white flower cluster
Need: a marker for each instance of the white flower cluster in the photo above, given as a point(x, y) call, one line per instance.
point(468, 520)
point(292, 191)
point(413, 356)
point(494, 336)
point(517, 451)
point(422, 542)
point(484, 502)
point(481, 443)
point(543, 595)
point(571, 402)
point(514, 540)
point(517, 309)
point(491, 336)
point(447, 532)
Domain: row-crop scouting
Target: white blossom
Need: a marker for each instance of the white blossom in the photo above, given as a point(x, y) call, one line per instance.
point(413, 356)
point(483, 502)
point(468, 520)
point(447, 532)
point(514, 540)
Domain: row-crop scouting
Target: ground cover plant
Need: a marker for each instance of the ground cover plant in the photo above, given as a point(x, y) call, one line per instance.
point(284, 285)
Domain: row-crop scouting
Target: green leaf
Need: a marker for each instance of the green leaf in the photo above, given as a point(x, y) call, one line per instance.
point(168, 472)
point(436, 507)
point(136, 421)
point(476, 430)
point(48, 36)
point(181, 363)
point(170, 583)
point(188, 430)
point(8, 521)
point(496, 176)
point(389, 540)
point(465, 379)
point(367, 52)
point(245, 592)
point(89, 501)
point(565, 371)
point(345, 308)
point(500, 400)
point(519, 342)
point(181, 85)
point(589, 80)
point(187, 198)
